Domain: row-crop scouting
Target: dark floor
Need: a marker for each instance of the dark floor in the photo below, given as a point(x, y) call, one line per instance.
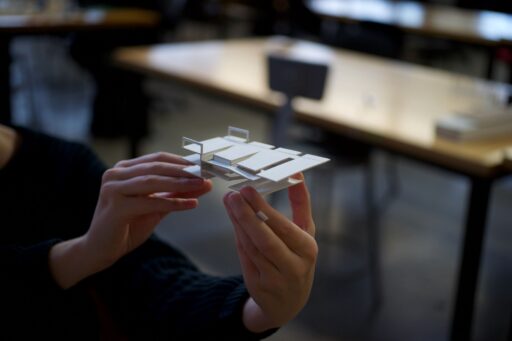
point(420, 227)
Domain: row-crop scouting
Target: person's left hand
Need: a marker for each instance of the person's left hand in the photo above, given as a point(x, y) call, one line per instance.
point(277, 256)
point(134, 196)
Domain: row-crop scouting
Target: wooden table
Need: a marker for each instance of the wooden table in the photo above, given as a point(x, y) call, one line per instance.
point(486, 29)
point(390, 105)
point(83, 20)
point(58, 23)
point(468, 26)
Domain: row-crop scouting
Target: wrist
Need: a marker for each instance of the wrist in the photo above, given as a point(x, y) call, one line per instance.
point(254, 319)
point(99, 256)
point(72, 261)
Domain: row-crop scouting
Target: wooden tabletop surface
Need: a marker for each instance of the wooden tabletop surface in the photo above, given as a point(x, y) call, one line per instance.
point(389, 104)
point(470, 26)
point(82, 20)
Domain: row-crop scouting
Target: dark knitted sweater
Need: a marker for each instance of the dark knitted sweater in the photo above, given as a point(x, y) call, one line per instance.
point(48, 193)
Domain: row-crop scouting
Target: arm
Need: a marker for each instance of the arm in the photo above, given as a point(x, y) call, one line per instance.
point(278, 256)
point(134, 196)
point(157, 293)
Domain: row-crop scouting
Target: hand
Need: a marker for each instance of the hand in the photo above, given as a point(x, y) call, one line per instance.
point(135, 195)
point(277, 256)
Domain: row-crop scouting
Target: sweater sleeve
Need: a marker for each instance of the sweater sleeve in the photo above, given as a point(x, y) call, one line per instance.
point(24, 250)
point(28, 264)
point(48, 193)
point(156, 293)
point(33, 305)
point(29, 236)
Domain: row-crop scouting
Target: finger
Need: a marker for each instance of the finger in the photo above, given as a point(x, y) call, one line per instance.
point(249, 269)
point(149, 205)
point(261, 236)
point(154, 157)
point(147, 168)
point(149, 184)
point(301, 205)
point(292, 235)
point(267, 271)
point(193, 194)
point(257, 262)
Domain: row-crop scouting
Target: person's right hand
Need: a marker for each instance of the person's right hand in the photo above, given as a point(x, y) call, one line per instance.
point(277, 254)
point(135, 195)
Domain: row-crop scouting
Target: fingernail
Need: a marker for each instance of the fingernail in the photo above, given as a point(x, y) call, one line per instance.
point(226, 197)
point(262, 216)
point(235, 198)
point(247, 192)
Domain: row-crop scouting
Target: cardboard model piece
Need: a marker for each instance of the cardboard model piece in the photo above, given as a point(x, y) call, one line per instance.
point(234, 158)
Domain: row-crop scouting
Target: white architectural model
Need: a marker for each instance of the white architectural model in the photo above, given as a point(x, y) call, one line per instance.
point(234, 158)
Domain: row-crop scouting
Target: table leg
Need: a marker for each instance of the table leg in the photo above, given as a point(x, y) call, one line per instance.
point(133, 146)
point(489, 70)
point(374, 238)
point(137, 111)
point(5, 80)
point(470, 263)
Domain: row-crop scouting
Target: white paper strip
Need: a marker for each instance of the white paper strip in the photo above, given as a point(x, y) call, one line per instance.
point(289, 168)
point(210, 146)
point(263, 159)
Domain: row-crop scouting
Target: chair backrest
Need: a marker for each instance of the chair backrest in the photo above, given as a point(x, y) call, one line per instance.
point(293, 78)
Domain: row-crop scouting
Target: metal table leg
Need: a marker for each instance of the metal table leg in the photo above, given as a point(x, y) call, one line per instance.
point(489, 69)
point(470, 263)
point(133, 146)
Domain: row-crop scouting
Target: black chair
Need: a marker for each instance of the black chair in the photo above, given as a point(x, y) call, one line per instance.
point(293, 78)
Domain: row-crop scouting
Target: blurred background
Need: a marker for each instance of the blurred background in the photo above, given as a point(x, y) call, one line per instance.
point(58, 77)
